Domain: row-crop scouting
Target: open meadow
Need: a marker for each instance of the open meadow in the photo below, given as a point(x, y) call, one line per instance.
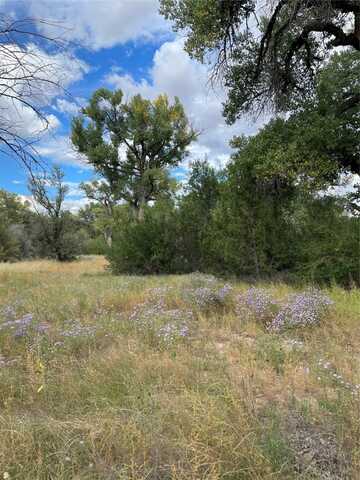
point(174, 377)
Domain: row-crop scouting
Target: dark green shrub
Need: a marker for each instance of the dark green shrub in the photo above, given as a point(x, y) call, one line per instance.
point(150, 246)
point(9, 247)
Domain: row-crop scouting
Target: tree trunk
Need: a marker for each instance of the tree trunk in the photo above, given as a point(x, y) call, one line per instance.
point(254, 246)
point(141, 210)
point(57, 239)
point(108, 237)
point(357, 27)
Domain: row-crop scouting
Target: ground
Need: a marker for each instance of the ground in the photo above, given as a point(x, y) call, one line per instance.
point(105, 377)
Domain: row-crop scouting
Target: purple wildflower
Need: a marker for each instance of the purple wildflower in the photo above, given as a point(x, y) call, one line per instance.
point(173, 331)
point(207, 297)
point(76, 330)
point(41, 328)
point(302, 309)
point(256, 302)
point(20, 326)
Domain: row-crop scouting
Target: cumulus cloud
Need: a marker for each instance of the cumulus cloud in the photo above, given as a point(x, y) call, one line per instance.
point(71, 204)
point(35, 75)
point(101, 24)
point(22, 121)
point(30, 79)
point(74, 189)
point(74, 205)
point(67, 107)
point(60, 150)
point(348, 184)
point(174, 73)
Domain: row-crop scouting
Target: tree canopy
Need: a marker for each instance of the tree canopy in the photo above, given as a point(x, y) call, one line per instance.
point(320, 140)
point(132, 144)
point(269, 52)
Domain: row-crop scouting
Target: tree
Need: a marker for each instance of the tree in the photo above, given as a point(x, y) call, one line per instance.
point(268, 52)
point(152, 246)
point(15, 217)
point(102, 194)
point(9, 247)
point(27, 75)
point(320, 140)
point(248, 233)
point(49, 192)
point(326, 241)
point(202, 192)
point(331, 118)
point(12, 210)
point(132, 145)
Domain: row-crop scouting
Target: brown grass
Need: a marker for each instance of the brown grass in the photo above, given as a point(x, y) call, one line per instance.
point(118, 405)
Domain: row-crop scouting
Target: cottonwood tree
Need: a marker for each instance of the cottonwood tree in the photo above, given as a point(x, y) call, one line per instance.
point(133, 144)
point(102, 194)
point(320, 140)
point(27, 76)
point(269, 52)
point(49, 192)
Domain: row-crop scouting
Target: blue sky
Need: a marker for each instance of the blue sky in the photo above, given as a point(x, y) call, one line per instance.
point(116, 44)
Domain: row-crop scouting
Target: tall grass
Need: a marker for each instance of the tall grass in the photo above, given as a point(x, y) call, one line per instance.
point(98, 393)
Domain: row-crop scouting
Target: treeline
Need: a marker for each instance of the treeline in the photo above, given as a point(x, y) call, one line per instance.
point(230, 223)
point(267, 213)
point(44, 227)
point(26, 234)
point(227, 222)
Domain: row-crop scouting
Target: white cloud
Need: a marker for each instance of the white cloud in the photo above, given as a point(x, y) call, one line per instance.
point(74, 205)
point(18, 119)
point(30, 80)
point(69, 108)
point(74, 189)
point(35, 75)
point(348, 184)
point(59, 150)
point(174, 73)
point(71, 204)
point(103, 23)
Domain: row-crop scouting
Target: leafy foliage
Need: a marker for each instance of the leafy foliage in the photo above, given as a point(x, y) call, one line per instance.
point(49, 192)
point(131, 145)
point(150, 246)
point(269, 60)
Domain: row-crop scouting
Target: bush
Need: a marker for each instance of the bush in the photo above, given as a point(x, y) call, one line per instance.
point(151, 246)
point(302, 309)
point(9, 247)
point(95, 246)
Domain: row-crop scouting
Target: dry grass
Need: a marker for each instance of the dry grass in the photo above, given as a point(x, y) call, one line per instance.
point(230, 402)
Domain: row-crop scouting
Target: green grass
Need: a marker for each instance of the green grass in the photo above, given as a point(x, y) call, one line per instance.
point(230, 401)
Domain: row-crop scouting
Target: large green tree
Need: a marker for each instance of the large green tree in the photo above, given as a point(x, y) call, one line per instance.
point(201, 194)
point(320, 140)
point(132, 144)
point(268, 51)
point(57, 225)
point(104, 204)
point(248, 233)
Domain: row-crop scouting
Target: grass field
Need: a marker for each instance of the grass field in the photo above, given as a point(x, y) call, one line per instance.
point(141, 378)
